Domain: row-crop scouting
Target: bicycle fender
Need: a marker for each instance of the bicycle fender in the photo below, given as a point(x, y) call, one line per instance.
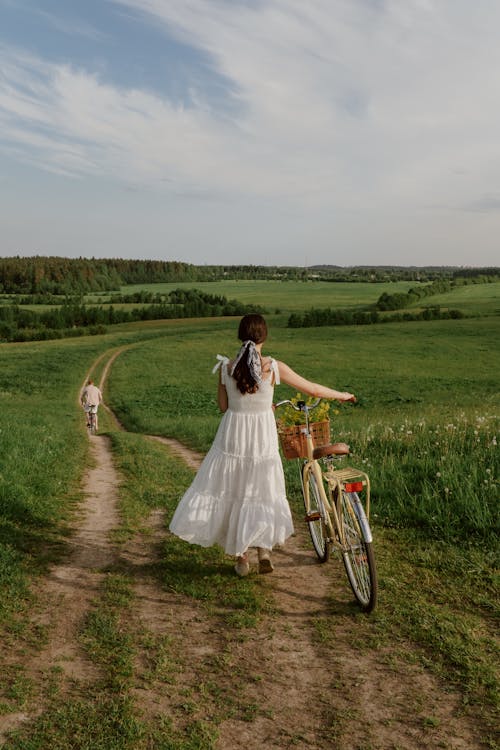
point(361, 516)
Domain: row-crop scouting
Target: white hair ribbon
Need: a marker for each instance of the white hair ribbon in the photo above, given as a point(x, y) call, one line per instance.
point(249, 349)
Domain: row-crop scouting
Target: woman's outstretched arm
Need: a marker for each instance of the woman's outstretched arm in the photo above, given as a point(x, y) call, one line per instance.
point(288, 376)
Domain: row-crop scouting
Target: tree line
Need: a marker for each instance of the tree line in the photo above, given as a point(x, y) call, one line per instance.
point(52, 275)
point(328, 317)
point(74, 318)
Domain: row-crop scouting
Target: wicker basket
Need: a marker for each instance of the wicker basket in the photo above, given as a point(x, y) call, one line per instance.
point(293, 440)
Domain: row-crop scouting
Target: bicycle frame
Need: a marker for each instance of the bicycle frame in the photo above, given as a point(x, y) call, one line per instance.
point(337, 482)
point(335, 514)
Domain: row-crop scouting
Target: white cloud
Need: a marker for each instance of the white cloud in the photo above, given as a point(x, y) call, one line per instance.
point(349, 106)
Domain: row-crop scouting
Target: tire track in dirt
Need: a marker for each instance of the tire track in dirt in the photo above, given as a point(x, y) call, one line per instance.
point(65, 595)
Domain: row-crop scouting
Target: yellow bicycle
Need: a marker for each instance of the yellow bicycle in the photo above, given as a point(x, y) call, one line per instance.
point(338, 519)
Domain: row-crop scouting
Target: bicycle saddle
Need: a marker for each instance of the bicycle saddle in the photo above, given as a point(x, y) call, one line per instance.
point(337, 449)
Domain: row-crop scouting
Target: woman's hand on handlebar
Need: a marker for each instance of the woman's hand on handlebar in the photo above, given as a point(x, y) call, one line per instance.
point(347, 397)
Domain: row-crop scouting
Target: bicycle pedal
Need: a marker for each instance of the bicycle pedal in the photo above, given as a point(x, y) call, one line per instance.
point(313, 516)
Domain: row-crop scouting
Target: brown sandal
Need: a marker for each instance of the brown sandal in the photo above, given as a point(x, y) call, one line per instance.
point(265, 563)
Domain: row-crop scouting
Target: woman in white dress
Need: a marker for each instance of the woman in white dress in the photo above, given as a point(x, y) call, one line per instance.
point(238, 498)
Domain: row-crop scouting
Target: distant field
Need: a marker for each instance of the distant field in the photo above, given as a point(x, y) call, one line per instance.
point(287, 296)
point(473, 299)
point(294, 296)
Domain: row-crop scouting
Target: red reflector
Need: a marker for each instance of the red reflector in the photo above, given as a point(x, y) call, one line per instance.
point(353, 486)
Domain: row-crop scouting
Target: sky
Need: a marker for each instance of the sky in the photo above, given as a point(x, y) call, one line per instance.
point(275, 132)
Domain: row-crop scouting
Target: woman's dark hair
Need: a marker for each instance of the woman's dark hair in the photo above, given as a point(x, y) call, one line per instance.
point(252, 328)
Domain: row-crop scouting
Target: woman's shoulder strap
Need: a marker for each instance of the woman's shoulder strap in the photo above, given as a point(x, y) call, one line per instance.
point(276, 371)
point(221, 360)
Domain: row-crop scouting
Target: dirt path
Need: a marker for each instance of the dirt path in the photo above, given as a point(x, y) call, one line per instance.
point(306, 693)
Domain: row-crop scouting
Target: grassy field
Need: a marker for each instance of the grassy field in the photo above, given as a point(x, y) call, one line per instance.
point(473, 299)
point(425, 428)
point(287, 297)
point(295, 296)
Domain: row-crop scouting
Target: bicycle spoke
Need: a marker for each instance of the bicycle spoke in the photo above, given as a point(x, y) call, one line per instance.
point(315, 515)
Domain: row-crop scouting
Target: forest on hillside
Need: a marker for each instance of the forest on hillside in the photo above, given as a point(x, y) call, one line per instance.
point(69, 276)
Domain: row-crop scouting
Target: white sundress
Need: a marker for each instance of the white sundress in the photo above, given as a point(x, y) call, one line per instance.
point(238, 498)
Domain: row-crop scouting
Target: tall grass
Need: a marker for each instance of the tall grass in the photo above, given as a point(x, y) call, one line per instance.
point(440, 477)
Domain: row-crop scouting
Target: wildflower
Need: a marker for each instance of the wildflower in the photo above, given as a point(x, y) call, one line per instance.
point(438, 473)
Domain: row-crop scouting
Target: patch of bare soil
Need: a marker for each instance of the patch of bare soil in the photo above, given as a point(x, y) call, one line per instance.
point(337, 695)
point(304, 693)
point(295, 690)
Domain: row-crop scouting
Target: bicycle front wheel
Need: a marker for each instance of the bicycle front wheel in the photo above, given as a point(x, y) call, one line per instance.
point(357, 553)
point(315, 518)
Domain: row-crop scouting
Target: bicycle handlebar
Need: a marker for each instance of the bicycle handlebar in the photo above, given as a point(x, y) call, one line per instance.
point(300, 405)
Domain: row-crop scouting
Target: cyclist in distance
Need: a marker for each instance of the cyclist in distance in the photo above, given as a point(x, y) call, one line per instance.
point(90, 399)
point(238, 499)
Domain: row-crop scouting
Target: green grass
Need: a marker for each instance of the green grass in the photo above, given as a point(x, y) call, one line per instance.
point(443, 598)
point(425, 428)
point(418, 426)
point(43, 451)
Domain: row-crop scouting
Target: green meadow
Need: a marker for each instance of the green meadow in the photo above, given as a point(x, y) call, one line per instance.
point(289, 296)
point(425, 428)
point(297, 296)
point(425, 422)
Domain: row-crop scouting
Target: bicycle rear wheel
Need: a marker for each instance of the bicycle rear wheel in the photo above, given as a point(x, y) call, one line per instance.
point(315, 519)
point(359, 560)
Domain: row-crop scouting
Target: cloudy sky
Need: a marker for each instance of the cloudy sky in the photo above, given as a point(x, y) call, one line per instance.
point(288, 132)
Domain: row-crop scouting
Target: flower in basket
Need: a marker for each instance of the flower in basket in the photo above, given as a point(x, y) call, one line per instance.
point(288, 416)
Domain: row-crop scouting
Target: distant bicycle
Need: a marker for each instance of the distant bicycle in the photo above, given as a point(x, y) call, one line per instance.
point(92, 419)
point(335, 515)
